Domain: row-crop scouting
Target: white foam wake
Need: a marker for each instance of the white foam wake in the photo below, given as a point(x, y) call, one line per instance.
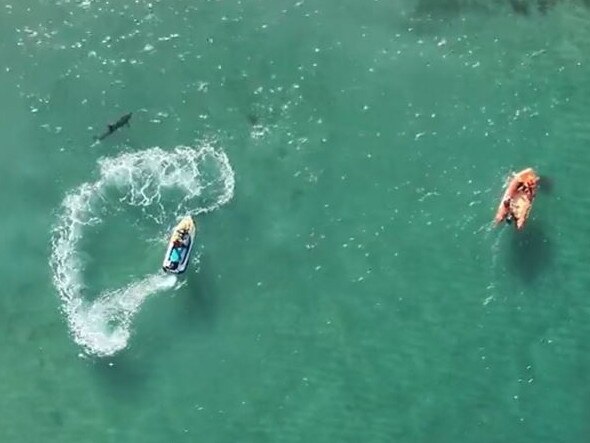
point(198, 180)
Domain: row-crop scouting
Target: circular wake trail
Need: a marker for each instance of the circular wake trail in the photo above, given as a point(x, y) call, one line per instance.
point(166, 185)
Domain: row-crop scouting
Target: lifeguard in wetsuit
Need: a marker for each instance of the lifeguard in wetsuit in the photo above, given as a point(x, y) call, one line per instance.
point(180, 242)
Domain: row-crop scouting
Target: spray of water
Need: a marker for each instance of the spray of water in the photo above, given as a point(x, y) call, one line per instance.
point(200, 180)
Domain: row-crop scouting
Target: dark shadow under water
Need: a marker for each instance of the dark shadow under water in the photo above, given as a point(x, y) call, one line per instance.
point(531, 251)
point(518, 7)
point(126, 373)
point(196, 302)
point(545, 185)
point(124, 376)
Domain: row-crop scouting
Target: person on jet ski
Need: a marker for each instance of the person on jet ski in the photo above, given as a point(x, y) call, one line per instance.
point(184, 236)
point(180, 242)
point(176, 251)
point(178, 245)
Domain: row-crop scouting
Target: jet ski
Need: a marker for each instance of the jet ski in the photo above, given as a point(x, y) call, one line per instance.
point(518, 198)
point(179, 247)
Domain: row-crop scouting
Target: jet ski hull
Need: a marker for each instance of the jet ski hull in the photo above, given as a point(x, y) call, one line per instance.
point(167, 265)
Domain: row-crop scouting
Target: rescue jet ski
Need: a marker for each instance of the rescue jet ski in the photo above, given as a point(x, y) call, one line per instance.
point(179, 247)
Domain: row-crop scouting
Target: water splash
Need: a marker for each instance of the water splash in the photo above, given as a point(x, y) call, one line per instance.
point(164, 184)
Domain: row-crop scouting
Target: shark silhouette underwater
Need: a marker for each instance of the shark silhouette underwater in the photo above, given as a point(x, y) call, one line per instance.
point(114, 127)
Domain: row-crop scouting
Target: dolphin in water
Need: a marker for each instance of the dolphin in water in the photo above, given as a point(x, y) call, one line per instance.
point(123, 121)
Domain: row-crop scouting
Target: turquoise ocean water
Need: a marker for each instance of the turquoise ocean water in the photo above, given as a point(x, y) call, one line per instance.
point(343, 161)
